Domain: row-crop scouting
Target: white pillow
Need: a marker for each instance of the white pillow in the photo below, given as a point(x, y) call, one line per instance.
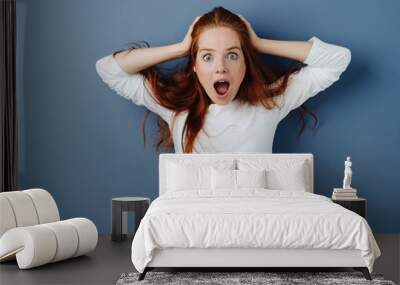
point(187, 175)
point(251, 178)
point(237, 179)
point(281, 174)
point(288, 179)
point(223, 179)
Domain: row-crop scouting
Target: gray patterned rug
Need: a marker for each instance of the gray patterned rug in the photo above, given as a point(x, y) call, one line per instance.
point(270, 278)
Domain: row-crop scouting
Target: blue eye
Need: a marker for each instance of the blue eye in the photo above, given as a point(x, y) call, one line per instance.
point(207, 57)
point(234, 57)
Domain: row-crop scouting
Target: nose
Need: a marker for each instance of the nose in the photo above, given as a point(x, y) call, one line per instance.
point(220, 66)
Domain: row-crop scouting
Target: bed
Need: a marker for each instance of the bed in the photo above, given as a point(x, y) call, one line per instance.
point(246, 210)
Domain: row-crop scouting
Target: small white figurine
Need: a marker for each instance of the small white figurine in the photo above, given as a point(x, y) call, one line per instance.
point(347, 174)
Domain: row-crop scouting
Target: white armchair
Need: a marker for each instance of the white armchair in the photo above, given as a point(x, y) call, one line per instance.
point(31, 230)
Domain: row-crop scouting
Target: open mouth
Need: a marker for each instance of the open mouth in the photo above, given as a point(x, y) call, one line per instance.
point(221, 87)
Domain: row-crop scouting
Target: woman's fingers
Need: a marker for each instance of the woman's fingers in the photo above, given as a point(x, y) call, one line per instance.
point(195, 20)
point(245, 21)
point(253, 36)
point(243, 18)
point(188, 37)
point(193, 23)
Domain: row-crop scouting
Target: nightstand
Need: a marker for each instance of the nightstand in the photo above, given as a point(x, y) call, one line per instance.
point(358, 206)
point(120, 206)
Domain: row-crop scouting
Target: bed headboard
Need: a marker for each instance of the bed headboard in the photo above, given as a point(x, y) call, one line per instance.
point(164, 158)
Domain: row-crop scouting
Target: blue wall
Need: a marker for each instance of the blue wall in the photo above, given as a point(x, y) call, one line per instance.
point(83, 143)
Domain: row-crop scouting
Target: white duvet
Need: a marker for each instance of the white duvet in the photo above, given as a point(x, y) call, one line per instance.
point(251, 218)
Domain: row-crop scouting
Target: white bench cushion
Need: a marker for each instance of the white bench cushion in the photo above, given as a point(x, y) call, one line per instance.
point(40, 244)
point(31, 230)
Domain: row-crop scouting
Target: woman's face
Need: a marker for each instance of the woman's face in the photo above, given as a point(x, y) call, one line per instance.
point(220, 64)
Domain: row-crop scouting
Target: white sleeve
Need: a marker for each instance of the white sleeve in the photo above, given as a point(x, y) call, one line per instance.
point(325, 63)
point(130, 86)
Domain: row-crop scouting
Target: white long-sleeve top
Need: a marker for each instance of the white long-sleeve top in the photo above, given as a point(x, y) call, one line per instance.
point(234, 127)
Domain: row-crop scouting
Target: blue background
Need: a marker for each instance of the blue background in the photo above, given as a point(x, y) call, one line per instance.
point(83, 142)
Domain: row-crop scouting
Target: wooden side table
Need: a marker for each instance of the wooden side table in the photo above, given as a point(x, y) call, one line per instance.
point(358, 206)
point(120, 206)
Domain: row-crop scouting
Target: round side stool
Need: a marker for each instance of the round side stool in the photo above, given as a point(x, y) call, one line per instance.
point(120, 208)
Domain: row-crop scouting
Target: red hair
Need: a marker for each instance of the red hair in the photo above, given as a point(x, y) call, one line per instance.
point(182, 91)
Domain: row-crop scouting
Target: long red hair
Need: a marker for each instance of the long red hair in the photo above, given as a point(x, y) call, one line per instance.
point(182, 91)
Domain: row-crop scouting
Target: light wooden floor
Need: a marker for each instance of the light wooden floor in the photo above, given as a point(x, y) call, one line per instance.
point(110, 260)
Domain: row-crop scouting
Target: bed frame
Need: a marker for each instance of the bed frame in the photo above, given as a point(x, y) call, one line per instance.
point(250, 258)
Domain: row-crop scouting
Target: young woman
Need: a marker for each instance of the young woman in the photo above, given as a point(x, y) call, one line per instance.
point(224, 99)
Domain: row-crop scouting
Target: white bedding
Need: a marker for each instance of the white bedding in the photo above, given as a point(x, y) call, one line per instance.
point(250, 218)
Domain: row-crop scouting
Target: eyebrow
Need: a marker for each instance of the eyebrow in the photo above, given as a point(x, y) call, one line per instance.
point(210, 49)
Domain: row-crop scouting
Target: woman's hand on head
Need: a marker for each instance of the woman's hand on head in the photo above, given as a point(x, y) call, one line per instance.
point(187, 41)
point(255, 40)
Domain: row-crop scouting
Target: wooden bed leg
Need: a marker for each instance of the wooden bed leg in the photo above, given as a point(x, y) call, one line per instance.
point(364, 271)
point(143, 274)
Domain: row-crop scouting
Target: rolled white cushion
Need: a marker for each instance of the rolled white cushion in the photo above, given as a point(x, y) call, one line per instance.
point(33, 245)
point(46, 207)
point(23, 208)
point(87, 233)
point(41, 244)
point(7, 219)
point(67, 239)
point(26, 208)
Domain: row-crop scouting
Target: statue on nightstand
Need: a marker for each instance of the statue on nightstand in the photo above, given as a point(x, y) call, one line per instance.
point(347, 174)
point(347, 192)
